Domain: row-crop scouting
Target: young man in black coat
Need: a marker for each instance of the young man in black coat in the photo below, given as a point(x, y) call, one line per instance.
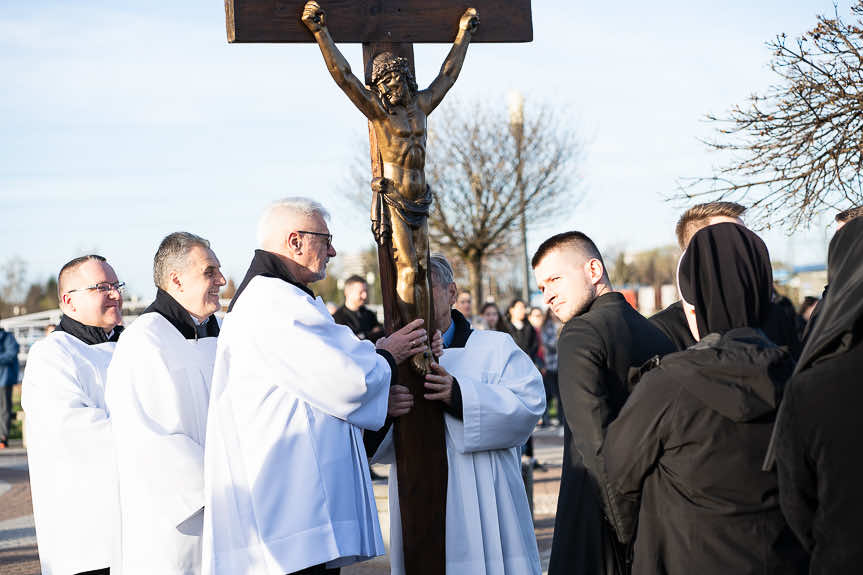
point(602, 340)
point(819, 426)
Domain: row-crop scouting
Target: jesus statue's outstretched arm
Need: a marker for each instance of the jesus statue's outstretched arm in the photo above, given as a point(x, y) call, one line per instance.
point(449, 70)
point(314, 18)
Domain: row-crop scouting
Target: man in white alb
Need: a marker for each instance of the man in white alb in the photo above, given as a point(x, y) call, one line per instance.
point(158, 394)
point(69, 447)
point(492, 397)
point(287, 479)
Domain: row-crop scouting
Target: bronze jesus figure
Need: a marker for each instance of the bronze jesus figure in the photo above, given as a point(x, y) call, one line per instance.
point(397, 111)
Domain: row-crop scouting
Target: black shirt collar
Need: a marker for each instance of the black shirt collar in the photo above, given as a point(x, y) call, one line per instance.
point(462, 329)
point(268, 265)
point(169, 308)
point(87, 333)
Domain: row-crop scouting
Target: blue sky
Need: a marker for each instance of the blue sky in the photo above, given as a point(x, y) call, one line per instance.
point(121, 122)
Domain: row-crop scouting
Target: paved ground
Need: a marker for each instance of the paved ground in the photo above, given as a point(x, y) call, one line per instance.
point(19, 556)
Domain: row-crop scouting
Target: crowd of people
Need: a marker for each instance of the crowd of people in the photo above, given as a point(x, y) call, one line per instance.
point(714, 437)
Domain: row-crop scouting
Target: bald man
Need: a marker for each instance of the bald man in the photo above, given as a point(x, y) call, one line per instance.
point(69, 445)
point(287, 486)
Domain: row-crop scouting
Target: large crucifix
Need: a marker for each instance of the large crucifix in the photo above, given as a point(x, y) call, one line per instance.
point(397, 114)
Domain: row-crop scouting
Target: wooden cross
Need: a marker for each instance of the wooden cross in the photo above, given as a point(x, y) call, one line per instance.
point(393, 26)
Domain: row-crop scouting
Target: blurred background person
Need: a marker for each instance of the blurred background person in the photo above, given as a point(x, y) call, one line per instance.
point(491, 317)
point(547, 327)
point(805, 313)
point(354, 313)
point(521, 330)
point(8, 378)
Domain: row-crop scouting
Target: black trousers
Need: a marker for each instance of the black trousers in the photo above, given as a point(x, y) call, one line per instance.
point(5, 411)
point(316, 570)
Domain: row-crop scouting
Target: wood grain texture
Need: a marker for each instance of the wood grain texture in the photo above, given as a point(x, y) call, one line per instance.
point(427, 21)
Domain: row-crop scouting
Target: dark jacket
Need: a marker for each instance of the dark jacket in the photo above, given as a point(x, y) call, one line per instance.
point(525, 338)
point(363, 322)
point(818, 429)
point(820, 470)
point(684, 462)
point(8, 359)
point(780, 327)
point(596, 352)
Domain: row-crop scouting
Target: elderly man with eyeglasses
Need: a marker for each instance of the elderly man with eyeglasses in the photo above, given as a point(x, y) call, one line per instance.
point(158, 395)
point(286, 477)
point(69, 444)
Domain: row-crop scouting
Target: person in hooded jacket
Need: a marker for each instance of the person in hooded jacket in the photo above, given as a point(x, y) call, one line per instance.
point(819, 427)
point(684, 478)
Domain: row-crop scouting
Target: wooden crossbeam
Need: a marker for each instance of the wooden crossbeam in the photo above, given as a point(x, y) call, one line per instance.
point(351, 21)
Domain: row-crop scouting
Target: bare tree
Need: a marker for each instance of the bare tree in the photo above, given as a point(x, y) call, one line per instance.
point(797, 149)
point(484, 174)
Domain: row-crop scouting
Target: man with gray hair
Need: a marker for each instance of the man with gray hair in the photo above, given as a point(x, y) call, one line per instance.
point(287, 481)
point(158, 395)
point(492, 397)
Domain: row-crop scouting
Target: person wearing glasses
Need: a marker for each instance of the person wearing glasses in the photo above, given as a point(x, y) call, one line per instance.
point(158, 393)
point(286, 475)
point(69, 446)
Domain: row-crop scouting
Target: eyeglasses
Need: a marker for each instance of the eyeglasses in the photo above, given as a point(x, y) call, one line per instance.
point(328, 236)
point(103, 287)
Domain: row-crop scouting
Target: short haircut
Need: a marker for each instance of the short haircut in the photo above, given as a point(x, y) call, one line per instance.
point(440, 271)
point(696, 217)
point(70, 267)
point(355, 279)
point(573, 240)
point(298, 206)
point(172, 255)
point(846, 216)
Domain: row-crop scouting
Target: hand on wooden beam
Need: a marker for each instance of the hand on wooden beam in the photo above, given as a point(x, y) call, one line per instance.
point(314, 16)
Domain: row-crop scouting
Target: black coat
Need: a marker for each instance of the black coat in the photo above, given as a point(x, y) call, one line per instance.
point(596, 352)
point(684, 462)
point(780, 327)
point(363, 322)
point(820, 470)
point(525, 338)
point(819, 426)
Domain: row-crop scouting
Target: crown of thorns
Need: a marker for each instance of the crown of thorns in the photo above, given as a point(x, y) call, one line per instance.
point(386, 63)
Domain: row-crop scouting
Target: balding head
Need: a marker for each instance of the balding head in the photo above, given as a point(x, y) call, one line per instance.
point(89, 292)
point(295, 229)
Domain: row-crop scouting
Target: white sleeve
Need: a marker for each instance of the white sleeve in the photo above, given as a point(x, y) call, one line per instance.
point(61, 416)
point(324, 363)
point(152, 410)
point(499, 408)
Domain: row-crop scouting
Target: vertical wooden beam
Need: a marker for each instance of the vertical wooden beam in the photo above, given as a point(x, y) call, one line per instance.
point(420, 442)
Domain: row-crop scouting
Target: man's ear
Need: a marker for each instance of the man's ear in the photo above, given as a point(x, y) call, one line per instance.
point(174, 280)
point(453, 294)
point(294, 242)
point(596, 270)
point(67, 300)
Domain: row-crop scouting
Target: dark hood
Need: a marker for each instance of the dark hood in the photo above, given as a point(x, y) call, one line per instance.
point(838, 324)
point(739, 374)
point(725, 274)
